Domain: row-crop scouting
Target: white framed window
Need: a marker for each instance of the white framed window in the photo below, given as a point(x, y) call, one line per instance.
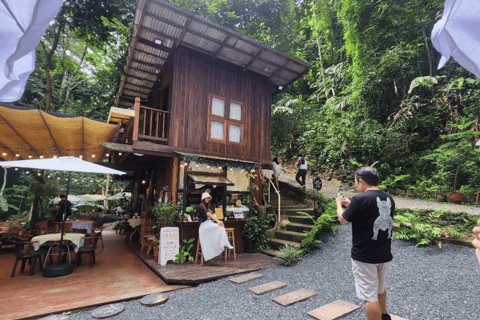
point(226, 120)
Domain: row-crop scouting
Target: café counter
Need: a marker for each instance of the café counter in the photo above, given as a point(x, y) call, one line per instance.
point(188, 230)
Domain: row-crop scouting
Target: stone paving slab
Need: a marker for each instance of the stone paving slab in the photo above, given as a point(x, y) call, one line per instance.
point(55, 317)
point(154, 299)
point(108, 311)
point(268, 287)
point(295, 296)
point(334, 310)
point(397, 317)
point(246, 278)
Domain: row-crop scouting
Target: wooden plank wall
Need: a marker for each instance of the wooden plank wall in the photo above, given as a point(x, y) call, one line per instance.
point(195, 76)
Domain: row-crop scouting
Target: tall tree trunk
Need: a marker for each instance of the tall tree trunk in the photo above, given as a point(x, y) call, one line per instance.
point(48, 62)
point(319, 49)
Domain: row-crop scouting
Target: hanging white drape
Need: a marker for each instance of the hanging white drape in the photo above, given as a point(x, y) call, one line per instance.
point(22, 24)
point(457, 34)
point(235, 133)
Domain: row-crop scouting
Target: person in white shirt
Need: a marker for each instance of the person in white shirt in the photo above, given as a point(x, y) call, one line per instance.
point(302, 170)
point(277, 170)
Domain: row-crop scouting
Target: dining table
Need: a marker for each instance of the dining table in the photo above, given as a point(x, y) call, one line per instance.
point(135, 223)
point(83, 224)
point(76, 239)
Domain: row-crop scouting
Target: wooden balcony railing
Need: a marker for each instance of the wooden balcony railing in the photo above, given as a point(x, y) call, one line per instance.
point(150, 123)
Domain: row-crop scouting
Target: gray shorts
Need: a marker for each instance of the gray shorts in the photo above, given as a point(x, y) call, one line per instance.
point(369, 279)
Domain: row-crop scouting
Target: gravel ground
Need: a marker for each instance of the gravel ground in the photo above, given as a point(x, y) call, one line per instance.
point(329, 189)
point(422, 283)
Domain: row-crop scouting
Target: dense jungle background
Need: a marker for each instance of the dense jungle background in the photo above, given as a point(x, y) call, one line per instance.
point(373, 95)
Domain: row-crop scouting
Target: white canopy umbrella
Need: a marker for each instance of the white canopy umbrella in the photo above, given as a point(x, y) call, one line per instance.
point(69, 164)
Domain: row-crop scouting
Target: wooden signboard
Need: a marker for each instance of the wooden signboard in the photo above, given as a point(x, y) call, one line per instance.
point(169, 245)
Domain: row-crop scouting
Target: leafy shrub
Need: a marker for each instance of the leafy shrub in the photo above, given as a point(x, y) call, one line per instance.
point(255, 230)
point(184, 253)
point(110, 218)
point(423, 226)
point(290, 255)
point(325, 223)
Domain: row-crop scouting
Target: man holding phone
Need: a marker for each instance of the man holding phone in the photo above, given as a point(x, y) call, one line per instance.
point(371, 214)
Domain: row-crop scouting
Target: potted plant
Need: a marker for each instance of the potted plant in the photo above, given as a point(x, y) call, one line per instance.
point(255, 232)
point(190, 211)
point(165, 214)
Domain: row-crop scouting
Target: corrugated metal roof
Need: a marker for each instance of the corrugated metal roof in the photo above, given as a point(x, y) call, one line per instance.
point(160, 27)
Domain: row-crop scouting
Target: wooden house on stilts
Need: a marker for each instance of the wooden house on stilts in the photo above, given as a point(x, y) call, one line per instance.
point(193, 107)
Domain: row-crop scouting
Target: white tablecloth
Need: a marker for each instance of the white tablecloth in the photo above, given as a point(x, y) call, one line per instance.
point(78, 239)
point(83, 225)
point(135, 222)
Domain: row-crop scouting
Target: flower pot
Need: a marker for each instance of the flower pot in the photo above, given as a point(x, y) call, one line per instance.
point(155, 253)
point(441, 197)
point(250, 248)
point(455, 197)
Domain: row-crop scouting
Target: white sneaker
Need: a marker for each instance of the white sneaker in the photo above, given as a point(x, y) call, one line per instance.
point(229, 246)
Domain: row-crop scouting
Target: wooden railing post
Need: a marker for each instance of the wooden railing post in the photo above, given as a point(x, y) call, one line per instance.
point(136, 121)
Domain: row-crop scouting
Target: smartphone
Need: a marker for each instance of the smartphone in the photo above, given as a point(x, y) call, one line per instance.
point(340, 192)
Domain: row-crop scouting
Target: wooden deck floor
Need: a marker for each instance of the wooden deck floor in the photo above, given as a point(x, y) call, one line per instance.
point(193, 274)
point(117, 275)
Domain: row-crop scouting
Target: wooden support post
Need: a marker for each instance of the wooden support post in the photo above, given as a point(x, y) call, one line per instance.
point(150, 188)
point(259, 182)
point(175, 173)
point(476, 199)
point(136, 122)
point(185, 188)
point(224, 173)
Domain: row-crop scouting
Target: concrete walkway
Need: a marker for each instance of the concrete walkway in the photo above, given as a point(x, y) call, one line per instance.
point(330, 188)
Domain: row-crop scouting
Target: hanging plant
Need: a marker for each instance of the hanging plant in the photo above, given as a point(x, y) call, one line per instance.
point(221, 163)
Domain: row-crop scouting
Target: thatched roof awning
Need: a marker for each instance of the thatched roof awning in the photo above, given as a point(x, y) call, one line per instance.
point(32, 133)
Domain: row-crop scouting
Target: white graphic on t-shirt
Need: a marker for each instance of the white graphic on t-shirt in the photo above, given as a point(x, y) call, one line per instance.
point(384, 220)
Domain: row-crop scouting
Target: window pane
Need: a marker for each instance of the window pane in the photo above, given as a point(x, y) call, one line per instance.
point(235, 111)
point(218, 107)
point(235, 133)
point(216, 131)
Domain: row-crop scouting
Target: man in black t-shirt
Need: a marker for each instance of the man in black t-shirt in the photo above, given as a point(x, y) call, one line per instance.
point(61, 208)
point(371, 214)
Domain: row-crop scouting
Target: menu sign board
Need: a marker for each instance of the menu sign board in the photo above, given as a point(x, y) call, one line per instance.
point(169, 245)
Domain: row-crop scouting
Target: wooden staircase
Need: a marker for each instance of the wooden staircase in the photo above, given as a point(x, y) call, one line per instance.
point(292, 232)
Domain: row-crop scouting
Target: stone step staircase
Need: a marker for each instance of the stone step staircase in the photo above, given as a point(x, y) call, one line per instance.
point(291, 232)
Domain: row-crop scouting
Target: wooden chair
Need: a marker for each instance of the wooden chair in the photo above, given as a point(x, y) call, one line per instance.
point(84, 231)
point(98, 225)
point(88, 248)
point(24, 251)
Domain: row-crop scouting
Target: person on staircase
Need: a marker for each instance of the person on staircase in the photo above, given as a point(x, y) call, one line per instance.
point(212, 235)
point(302, 170)
point(277, 170)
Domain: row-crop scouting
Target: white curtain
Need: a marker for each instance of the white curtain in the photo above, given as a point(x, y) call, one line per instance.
point(235, 133)
point(218, 107)
point(22, 24)
point(457, 34)
point(216, 131)
point(235, 111)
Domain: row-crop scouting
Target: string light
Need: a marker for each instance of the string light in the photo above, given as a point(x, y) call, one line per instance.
point(41, 156)
point(4, 154)
point(27, 172)
point(16, 169)
point(30, 156)
point(107, 155)
point(93, 155)
point(81, 156)
point(119, 153)
point(39, 174)
point(17, 155)
point(143, 181)
point(55, 156)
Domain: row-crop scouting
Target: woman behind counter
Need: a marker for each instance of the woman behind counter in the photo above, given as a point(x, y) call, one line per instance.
point(212, 235)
